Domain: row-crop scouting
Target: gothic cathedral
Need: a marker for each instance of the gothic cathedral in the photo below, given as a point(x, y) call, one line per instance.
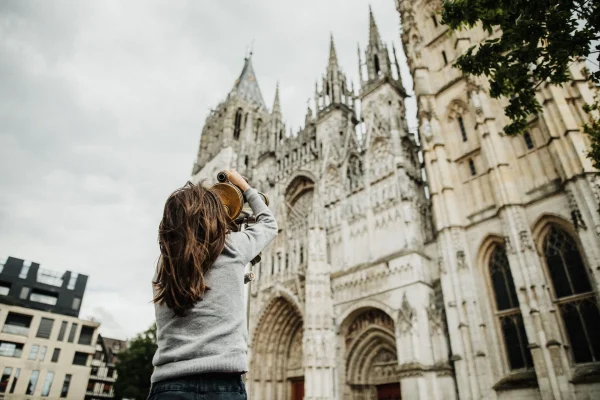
point(449, 263)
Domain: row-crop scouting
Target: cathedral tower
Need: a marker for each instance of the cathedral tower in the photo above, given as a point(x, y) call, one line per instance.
point(516, 218)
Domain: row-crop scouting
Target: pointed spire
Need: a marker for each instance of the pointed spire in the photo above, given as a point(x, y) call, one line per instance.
point(332, 55)
point(246, 85)
point(374, 38)
point(276, 105)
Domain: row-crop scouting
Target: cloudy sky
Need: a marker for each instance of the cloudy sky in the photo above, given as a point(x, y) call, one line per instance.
point(101, 108)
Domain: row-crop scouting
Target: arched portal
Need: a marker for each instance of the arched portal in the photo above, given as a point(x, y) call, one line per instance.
point(371, 359)
point(276, 369)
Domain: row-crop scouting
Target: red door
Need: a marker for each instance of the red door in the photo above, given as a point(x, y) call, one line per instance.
point(298, 389)
point(390, 391)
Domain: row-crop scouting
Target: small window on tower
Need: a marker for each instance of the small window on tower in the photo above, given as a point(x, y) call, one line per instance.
point(376, 63)
point(237, 124)
point(528, 140)
point(463, 131)
point(434, 19)
point(472, 167)
point(245, 161)
point(445, 58)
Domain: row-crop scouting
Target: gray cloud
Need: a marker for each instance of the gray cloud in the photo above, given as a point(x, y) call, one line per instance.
point(101, 109)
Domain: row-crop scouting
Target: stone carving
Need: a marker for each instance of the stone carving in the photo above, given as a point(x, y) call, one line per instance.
point(576, 216)
point(355, 173)
point(508, 245)
point(381, 160)
point(460, 259)
point(407, 316)
point(526, 242)
point(367, 320)
point(435, 315)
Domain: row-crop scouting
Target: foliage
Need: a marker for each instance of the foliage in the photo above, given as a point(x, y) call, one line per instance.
point(135, 368)
point(593, 129)
point(537, 42)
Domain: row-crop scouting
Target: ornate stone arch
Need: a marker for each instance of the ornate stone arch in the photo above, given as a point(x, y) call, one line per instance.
point(279, 292)
point(344, 320)
point(367, 337)
point(274, 340)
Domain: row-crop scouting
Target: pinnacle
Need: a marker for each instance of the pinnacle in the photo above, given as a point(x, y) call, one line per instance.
point(373, 30)
point(276, 105)
point(332, 53)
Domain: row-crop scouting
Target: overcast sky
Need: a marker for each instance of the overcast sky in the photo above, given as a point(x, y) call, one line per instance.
point(101, 108)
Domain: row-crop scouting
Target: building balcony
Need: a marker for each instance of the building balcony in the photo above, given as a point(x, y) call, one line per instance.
point(103, 378)
point(16, 330)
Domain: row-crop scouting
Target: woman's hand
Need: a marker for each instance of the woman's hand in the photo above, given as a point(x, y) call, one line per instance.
point(235, 178)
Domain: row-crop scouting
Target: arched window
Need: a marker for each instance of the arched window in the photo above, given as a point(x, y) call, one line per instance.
point(445, 58)
point(376, 63)
point(272, 264)
point(528, 140)
point(573, 295)
point(257, 128)
point(287, 260)
point(301, 254)
point(280, 135)
point(237, 124)
point(508, 311)
point(463, 131)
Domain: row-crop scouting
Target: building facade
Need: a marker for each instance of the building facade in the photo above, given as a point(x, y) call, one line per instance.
point(480, 282)
point(103, 374)
point(45, 349)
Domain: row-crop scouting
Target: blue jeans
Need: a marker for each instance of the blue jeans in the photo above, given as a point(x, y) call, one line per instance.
point(200, 387)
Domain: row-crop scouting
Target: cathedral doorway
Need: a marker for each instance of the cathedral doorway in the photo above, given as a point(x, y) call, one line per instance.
point(276, 368)
point(297, 389)
point(371, 358)
point(388, 391)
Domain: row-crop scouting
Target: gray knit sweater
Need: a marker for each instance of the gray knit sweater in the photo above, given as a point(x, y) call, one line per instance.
point(213, 336)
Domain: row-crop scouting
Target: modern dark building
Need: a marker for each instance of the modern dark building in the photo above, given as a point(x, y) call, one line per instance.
point(24, 283)
point(104, 374)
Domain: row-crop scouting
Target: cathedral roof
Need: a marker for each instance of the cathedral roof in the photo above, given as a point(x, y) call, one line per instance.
point(246, 86)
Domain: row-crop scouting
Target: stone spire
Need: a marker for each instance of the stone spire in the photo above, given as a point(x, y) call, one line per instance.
point(276, 106)
point(374, 38)
point(333, 62)
point(246, 86)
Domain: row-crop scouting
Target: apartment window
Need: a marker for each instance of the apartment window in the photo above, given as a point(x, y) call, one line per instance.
point(55, 355)
point(65, 387)
point(94, 371)
point(445, 58)
point(63, 329)
point(463, 131)
point(472, 167)
point(4, 379)
point(45, 328)
point(15, 380)
point(33, 352)
point(72, 280)
point(110, 372)
point(47, 383)
point(25, 269)
point(80, 358)
point(4, 288)
point(10, 349)
point(32, 382)
point(44, 297)
point(528, 140)
point(85, 336)
point(72, 333)
point(98, 355)
point(17, 324)
point(43, 353)
point(24, 293)
point(106, 389)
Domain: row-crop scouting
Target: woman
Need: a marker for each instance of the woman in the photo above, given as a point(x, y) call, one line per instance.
point(199, 294)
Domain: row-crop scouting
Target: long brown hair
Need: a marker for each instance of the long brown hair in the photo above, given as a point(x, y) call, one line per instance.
point(191, 235)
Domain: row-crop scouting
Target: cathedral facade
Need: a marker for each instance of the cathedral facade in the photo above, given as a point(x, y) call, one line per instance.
point(450, 263)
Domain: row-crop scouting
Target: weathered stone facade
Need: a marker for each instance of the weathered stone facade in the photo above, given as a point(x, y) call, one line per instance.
point(373, 287)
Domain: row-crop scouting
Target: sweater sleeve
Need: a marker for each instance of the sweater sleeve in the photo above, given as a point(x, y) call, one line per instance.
point(252, 240)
